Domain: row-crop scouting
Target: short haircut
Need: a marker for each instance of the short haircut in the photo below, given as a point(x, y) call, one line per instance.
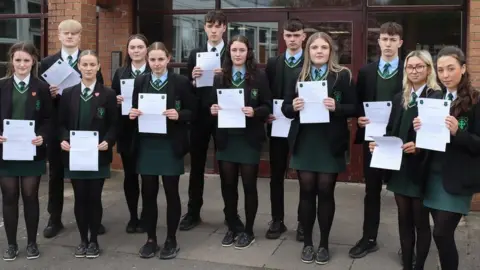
point(392, 29)
point(73, 26)
point(216, 16)
point(293, 25)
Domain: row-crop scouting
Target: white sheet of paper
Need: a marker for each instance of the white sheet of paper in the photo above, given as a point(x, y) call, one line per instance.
point(62, 75)
point(231, 102)
point(126, 90)
point(152, 119)
point(388, 153)
point(19, 134)
point(83, 150)
point(313, 94)
point(281, 124)
point(208, 62)
point(433, 134)
point(378, 112)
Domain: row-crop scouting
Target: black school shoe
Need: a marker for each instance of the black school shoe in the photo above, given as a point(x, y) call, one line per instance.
point(169, 250)
point(10, 253)
point(362, 248)
point(53, 229)
point(32, 251)
point(132, 226)
point(244, 240)
point(81, 250)
point(93, 251)
point(276, 229)
point(189, 221)
point(323, 256)
point(229, 239)
point(149, 250)
point(308, 254)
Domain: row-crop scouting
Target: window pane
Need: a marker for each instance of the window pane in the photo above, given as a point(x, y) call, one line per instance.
point(341, 33)
point(286, 3)
point(420, 31)
point(413, 2)
point(3, 68)
point(261, 35)
point(7, 7)
point(15, 30)
point(176, 4)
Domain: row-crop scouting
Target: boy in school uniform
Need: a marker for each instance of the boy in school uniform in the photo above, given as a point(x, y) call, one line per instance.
point(377, 81)
point(69, 34)
point(281, 70)
point(204, 125)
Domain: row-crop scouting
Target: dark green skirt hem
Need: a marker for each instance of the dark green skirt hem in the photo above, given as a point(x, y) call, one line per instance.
point(102, 173)
point(23, 168)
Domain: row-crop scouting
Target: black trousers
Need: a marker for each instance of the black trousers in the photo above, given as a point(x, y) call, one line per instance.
point(278, 168)
point(55, 184)
point(372, 201)
point(202, 129)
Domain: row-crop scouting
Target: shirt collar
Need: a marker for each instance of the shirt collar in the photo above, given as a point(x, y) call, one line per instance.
point(235, 70)
point(454, 93)
point(17, 80)
point(419, 91)
point(162, 78)
point(393, 64)
point(296, 56)
point(142, 68)
point(219, 46)
point(91, 87)
point(74, 55)
point(323, 69)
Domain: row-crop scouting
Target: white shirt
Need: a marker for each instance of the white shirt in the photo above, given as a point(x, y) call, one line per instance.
point(17, 80)
point(142, 68)
point(91, 87)
point(74, 55)
point(219, 46)
point(419, 91)
point(454, 93)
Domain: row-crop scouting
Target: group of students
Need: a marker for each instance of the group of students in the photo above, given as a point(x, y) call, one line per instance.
point(428, 181)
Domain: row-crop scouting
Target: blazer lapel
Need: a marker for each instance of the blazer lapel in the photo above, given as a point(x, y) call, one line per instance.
point(278, 79)
point(331, 80)
point(370, 94)
point(95, 101)
point(171, 91)
point(32, 98)
point(75, 103)
point(400, 77)
point(247, 92)
point(6, 109)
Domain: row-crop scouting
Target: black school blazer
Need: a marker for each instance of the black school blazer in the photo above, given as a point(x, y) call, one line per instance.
point(125, 126)
point(103, 117)
point(261, 104)
point(179, 97)
point(366, 89)
point(415, 163)
point(38, 108)
point(461, 173)
point(341, 88)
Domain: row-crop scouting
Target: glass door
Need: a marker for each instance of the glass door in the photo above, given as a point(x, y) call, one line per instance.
point(345, 28)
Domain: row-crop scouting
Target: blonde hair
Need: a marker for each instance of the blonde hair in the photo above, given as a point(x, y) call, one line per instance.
point(332, 63)
point(431, 76)
point(70, 25)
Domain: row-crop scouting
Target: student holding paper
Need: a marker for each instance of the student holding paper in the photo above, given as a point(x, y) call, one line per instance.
point(69, 34)
point(135, 65)
point(238, 149)
point(318, 150)
point(281, 71)
point(162, 154)
point(204, 125)
point(407, 184)
point(23, 97)
point(452, 176)
point(88, 106)
point(377, 81)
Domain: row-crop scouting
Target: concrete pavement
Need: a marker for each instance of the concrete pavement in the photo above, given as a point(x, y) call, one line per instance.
point(201, 248)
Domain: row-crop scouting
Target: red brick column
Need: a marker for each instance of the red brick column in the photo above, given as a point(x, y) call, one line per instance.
point(473, 59)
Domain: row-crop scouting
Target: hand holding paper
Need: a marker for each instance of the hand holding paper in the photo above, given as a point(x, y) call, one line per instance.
point(377, 114)
point(313, 94)
point(281, 124)
point(231, 102)
point(387, 153)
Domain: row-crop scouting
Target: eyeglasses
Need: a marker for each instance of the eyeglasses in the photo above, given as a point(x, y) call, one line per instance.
point(410, 69)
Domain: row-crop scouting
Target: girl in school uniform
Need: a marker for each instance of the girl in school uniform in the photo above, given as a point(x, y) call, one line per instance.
point(452, 177)
point(88, 106)
point(162, 154)
point(135, 65)
point(408, 183)
point(238, 149)
point(23, 97)
point(318, 150)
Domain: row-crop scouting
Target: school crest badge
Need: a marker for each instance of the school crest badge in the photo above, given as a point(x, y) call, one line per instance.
point(337, 95)
point(463, 123)
point(254, 93)
point(178, 105)
point(37, 105)
point(101, 112)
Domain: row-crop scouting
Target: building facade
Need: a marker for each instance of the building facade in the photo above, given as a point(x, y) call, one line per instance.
point(354, 24)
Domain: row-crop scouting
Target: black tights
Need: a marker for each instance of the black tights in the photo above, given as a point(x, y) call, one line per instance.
point(413, 220)
point(150, 188)
point(313, 185)
point(10, 194)
point(229, 178)
point(445, 224)
point(88, 207)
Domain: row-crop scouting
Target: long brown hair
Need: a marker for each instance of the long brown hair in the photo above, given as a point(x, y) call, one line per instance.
point(467, 95)
point(250, 63)
point(26, 47)
point(128, 60)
